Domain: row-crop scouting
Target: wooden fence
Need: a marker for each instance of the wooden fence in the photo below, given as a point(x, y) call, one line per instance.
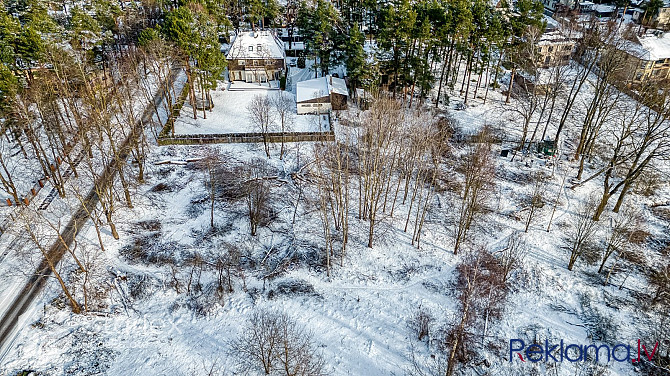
point(243, 138)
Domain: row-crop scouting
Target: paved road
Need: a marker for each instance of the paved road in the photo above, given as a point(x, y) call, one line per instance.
point(39, 278)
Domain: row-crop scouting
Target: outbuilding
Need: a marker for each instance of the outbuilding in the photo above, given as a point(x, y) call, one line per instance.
point(320, 95)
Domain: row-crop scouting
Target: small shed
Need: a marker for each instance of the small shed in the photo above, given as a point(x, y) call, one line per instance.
point(320, 95)
point(547, 147)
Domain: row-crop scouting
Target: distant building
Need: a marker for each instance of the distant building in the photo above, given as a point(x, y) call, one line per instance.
point(320, 95)
point(659, 21)
point(651, 54)
point(586, 6)
point(256, 56)
point(604, 11)
point(554, 49)
point(556, 5)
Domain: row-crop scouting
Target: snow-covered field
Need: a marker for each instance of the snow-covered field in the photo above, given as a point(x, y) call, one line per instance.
point(231, 115)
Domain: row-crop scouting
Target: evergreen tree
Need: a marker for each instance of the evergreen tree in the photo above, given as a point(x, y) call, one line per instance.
point(355, 58)
point(322, 31)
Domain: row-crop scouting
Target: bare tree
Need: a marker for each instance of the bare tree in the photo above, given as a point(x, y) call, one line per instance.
point(659, 279)
point(10, 168)
point(420, 323)
point(273, 343)
point(536, 199)
point(34, 225)
point(478, 170)
point(527, 94)
point(482, 294)
point(261, 116)
point(256, 188)
point(210, 164)
point(512, 256)
point(623, 224)
point(283, 105)
point(378, 150)
point(635, 145)
point(581, 235)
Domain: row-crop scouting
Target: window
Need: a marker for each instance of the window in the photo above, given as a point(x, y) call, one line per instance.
point(268, 62)
point(242, 62)
point(251, 48)
point(259, 47)
point(551, 48)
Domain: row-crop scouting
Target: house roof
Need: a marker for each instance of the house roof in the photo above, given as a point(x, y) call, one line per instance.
point(651, 47)
point(554, 37)
point(320, 87)
point(246, 46)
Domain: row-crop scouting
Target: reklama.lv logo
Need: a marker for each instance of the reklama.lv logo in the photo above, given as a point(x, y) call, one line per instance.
point(573, 352)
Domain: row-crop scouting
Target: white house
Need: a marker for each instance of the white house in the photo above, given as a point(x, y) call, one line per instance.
point(256, 56)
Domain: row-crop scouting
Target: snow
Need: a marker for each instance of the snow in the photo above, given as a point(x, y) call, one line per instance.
point(230, 114)
point(602, 8)
point(653, 48)
point(320, 87)
point(359, 316)
point(246, 43)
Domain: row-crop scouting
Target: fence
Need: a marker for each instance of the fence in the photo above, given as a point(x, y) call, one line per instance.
point(242, 138)
point(165, 137)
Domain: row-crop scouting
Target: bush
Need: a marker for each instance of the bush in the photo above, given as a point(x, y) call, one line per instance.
point(273, 344)
point(301, 62)
point(420, 323)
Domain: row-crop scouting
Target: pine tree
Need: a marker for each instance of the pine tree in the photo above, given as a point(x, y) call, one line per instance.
point(355, 58)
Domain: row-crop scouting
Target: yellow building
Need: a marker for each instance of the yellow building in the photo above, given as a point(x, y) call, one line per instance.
point(651, 54)
point(554, 49)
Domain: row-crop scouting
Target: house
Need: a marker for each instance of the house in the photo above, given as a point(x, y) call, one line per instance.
point(651, 56)
point(660, 21)
point(566, 5)
point(604, 11)
point(256, 56)
point(554, 49)
point(320, 95)
point(586, 6)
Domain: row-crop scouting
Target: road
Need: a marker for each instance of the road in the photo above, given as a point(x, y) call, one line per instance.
point(23, 300)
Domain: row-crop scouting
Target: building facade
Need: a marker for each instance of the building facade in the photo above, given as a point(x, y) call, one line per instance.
point(651, 57)
point(256, 56)
point(554, 49)
point(321, 95)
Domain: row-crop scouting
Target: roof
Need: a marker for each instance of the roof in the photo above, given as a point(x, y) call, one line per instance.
point(246, 46)
point(651, 47)
point(555, 37)
point(601, 8)
point(320, 87)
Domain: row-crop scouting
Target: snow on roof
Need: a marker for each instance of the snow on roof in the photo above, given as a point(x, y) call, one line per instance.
point(651, 47)
point(554, 37)
point(246, 46)
point(551, 23)
point(320, 87)
point(602, 8)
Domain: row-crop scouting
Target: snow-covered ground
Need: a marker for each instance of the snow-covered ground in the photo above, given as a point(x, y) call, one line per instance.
point(359, 316)
point(231, 115)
